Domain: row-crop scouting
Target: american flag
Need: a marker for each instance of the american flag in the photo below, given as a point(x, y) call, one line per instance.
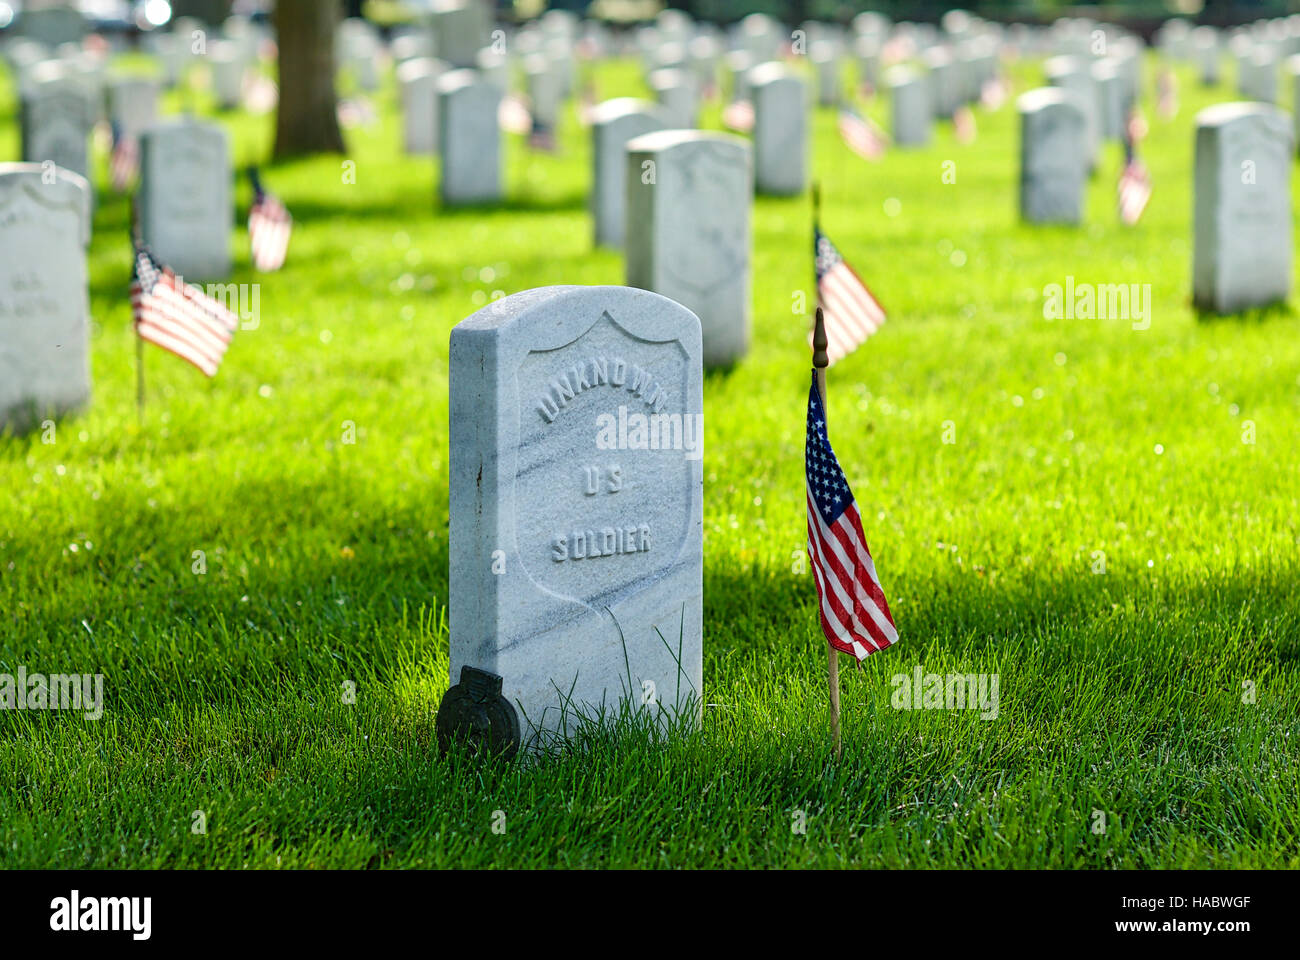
point(587, 104)
point(852, 314)
point(1167, 95)
point(269, 228)
point(1134, 188)
point(124, 161)
point(1136, 127)
point(358, 112)
point(179, 318)
point(854, 613)
point(993, 93)
point(963, 124)
point(861, 135)
point(513, 115)
point(739, 116)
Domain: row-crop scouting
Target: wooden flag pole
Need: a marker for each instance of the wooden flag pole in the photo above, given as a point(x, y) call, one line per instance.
point(139, 341)
point(820, 362)
point(139, 377)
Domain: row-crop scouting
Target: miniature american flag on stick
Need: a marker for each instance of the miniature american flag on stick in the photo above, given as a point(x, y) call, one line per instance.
point(852, 312)
point(180, 319)
point(124, 161)
point(1166, 95)
point(963, 124)
point(1134, 188)
point(861, 135)
point(739, 116)
point(855, 616)
point(269, 228)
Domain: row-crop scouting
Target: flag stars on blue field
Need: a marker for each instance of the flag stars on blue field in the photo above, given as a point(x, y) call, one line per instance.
point(825, 478)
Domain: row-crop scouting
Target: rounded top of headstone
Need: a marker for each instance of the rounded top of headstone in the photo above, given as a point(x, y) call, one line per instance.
point(608, 110)
point(1062, 64)
point(185, 126)
point(663, 140)
point(900, 75)
point(557, 315)
point(937, 57)
point(454, 80)
point(771, 72)
point(418, 67)
point(668, 77)
point(1032, 101)
point(65, 190)
point(1222, 114)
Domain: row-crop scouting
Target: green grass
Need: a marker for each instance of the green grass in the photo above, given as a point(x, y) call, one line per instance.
point(1120, 692)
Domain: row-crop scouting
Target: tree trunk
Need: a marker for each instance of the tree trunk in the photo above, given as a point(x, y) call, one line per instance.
point(307, 119)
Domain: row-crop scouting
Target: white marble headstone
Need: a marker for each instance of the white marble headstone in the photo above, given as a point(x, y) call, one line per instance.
point(417, 79)
point(186, 208)
point(1242, 223)
point(1053, 158)
point(912, 109)
point(44, 305)
point(613, 124)
point(688, 230)
point(781, 140)
point(469, 139)
point(133, 103)
point(58, 112)
point(576, 505)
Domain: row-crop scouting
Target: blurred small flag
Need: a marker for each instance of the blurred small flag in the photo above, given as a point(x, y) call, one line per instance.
point(861, 134)
point(1167, 95)
point(963, 124)
point(260, 94)
point(541, 137)
point(851, 312)
point(739, 116)
point(124, 161)
point(181, 319)
point(513, 115)
point(1134, 187)
point(854, 612)
point(269, 227)
point(356, 112)
point(867, 90)
point(1136, 128)
point(993, 93)
point(586, 104)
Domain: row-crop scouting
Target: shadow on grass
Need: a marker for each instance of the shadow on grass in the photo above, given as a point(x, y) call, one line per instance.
point(1255, 315)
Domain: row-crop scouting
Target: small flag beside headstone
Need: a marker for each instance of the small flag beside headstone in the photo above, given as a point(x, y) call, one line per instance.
point(862, 135)
point(852, 311)
point(269, 227)
point(963, 124)
point(124, 161)
point(1166, 95)
point(1134, 189)
point(738, 116)
point(179, 318)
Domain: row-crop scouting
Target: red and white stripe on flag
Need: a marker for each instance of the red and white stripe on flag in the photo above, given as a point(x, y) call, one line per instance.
point(1134, 191)
point(852, 312)
point(854, 614)
point(123, 162)
point(269, 229)
point(739, 116)
point(861, 135)
point(179, 318)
